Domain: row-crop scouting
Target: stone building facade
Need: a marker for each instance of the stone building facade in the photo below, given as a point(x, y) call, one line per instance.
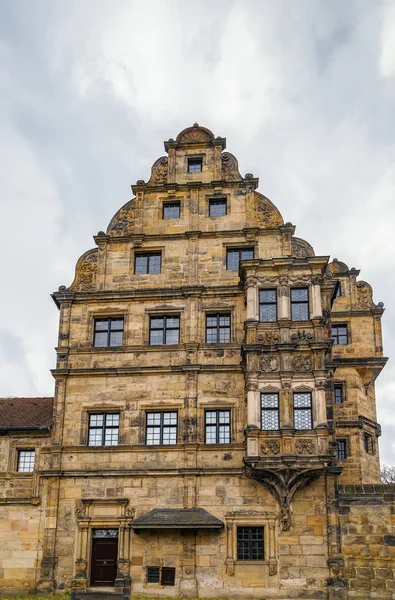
point(214, 429)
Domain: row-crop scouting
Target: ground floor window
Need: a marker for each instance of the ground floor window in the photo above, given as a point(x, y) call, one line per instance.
point(250, 543)
point(162, 575)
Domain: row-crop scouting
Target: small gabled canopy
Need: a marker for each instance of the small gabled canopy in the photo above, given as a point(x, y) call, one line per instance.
point(177, 518)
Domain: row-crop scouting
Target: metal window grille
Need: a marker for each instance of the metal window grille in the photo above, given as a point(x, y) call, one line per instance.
point(148, 263)
point(195, 165)
point(299, 304)
point(341, 446)
point(153, 574)
point(268, 306)
point(103, 429)
point(340, 335)
point(303, 411)
point(338, 390)
point(235, 255)
point(217, 328)
point(368, 443)
point(105, 533)
point(217, 207)
point(217, 427)
point(161, 428)
point(270, 412)
point(250, 543)
point(171, 210)
point(108, 332)
point(26, 460)
point(164, 330)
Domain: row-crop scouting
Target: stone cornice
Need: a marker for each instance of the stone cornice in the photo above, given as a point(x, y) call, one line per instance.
point(59, 373)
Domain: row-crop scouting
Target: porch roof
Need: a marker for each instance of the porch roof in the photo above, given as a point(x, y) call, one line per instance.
point(177, 518)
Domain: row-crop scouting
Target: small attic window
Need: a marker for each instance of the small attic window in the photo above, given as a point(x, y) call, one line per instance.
point(195, 165)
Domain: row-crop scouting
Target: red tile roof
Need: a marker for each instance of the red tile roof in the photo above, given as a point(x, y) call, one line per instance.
point(26, 412)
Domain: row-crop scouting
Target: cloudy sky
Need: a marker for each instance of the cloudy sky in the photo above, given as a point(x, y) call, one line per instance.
point(304, 91)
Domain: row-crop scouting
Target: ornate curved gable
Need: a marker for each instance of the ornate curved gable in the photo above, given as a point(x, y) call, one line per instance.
point(85, 272)
point(230, 167)
point(264, 213)
point(123, 221)
point(159, 171)
point(195, 135)
point(301, 249)
point(337, 267)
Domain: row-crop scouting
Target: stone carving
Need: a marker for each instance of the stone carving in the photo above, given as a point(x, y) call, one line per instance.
point(301, 362)
point(268, 337)
point(195, 135)
point(268, 363)
point(337, 267)
point(159, 171)
point(302, 336)
point(364, 295)
point(265, 213)
point(230, 167)
point(123, 221)
point(316, 279)
point(300, 248)
point(270, 447)
point(304, 447)
point(130, 512)
point(80, 512)
point(85, 273)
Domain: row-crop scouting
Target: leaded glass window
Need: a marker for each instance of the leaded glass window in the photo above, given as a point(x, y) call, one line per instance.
point(250, 543)
point(217, 328)
point(26, 460)
point(235, 255)
point(161, 428)
point(164, 330)
point(105, 533)
point(108, 332)
point(147, 263)
point(103, 429)
point(270, 412)
point(299, 304)
point(303, 411)
point(217, 426)
point(267, 306)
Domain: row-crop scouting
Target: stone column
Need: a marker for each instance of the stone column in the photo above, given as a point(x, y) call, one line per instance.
point(286, 406)
point(272, 550)
point(253, 419)
point(316, 296)
point(230, 563)
point(320, 404)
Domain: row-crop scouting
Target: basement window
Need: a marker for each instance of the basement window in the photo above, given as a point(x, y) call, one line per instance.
point(162, 575)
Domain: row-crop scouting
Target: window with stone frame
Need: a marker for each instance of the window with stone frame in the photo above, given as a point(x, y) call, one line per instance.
point(341, 449)
point(163, 575)
point(171, 210)
point(303, 417)
point(299, 304)
point(164, 330)
point(217, 328)
point(270, 416)
point(217, 426)
point(161, 428)
point(103, 429)
point(368, 443)
point(108, 332)
point(26, 459)
point(147, 263)
point(267, 305)
point(217, 207)
point(250, 543)
point(235, 255)
point(195, 165)
point(338, 390)
point(339, 334)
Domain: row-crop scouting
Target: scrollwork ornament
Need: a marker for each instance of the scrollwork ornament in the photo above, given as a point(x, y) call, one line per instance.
point(268, 363)
point(80, 512)
point(268, 337)
point(159, 171)
point(301, 336)
point(302, 362)
point(316, 279)
point(230, 168)
point(304, 447)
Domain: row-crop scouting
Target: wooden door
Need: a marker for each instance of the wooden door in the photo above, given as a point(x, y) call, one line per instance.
point(104, 557)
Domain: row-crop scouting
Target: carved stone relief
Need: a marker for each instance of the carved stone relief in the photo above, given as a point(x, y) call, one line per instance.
point(268, 363)
point(123, 221)
point(268, 337)
point(85, 276)
point(301, 362)
point(304, 447)
point(300, 248)
point(270, 447)
point(364, 295)
point(159, 171)
point(230, 167)
point(302, 336)
point(265, 213)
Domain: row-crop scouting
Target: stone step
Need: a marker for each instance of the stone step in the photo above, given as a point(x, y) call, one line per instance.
point(98, 594)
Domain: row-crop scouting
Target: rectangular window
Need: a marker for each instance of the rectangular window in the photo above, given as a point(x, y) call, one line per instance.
point(217, 427)
point(108, 332)
point(267, 306)
point(270, 412)
point(164, 330)
point(235, 255)
point(218, 328)
point(368, 443)
point(338, 290)
point(341, 447)
point(168, 576)
point(303, 411)
point(250, 543)
point(339, 335)
point(161, 428)
point(103, 429)
point(195, 165)
point(148, 263)
point(299, 304)
point(153, 574)
point(217, 207)
point(171, 210)
point(339, 396)
point(26, 461)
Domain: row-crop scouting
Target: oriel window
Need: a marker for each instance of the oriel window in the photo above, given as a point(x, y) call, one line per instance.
point(103, 429)
point(164, 330)
point(303, 418)
point(339, 335)
point(108, 332)
point(161, 428)
point(147, 263)
point(235, 255)
point(217, 207)
point(299, 304)
point(267, 306)
point(217, 426)
point(218, 328)
point(250, 543)
point(270, 412)
point(26, 460)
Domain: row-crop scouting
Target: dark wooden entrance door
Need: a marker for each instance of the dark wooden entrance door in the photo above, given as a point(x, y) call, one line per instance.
point(104, 557)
